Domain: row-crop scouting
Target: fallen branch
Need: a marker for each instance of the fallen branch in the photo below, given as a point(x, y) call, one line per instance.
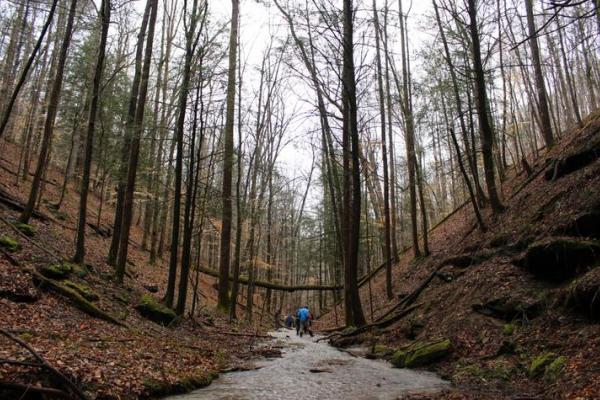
point(380, 324)
point(409, 299)
point(33, 389)
point(46, 365)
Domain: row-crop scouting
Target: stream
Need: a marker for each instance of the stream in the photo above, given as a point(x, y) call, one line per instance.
point(335, 374)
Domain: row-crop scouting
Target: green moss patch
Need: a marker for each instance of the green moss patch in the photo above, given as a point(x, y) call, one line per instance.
point(555, 368)
point(9, 243)
point(421, 353)
point(26, 229)
point(83, 290)
point(80, 270)
point(155, 311)
point(497, 370)
point(57, 271)
point(539, 363)
point(187, 383)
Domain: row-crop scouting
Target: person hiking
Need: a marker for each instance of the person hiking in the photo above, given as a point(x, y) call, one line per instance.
point(297, 322)
point(304, 316)
point(289, 321)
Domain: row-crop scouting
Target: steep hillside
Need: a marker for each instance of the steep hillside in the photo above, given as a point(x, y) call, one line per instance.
point(519, 303)
point(83, 324)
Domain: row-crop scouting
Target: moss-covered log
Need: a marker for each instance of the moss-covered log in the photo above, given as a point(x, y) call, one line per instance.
point(78, 300)
point(421, 353)
point(274, 286)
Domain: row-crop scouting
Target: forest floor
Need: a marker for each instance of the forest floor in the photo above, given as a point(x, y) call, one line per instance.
point(521, 303)
point(131, 358)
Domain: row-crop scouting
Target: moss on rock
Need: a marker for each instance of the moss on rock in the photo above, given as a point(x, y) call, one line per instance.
point(57, 271)
point(186, 383)
point(539, 363)
point(421, 353)
point(83, 290)
point(9, 243)
point(554, 368)
point(26, 229)
point(155, 311)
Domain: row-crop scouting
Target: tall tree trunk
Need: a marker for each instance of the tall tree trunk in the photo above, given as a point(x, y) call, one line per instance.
point(179, 130)
point(409, 136)
point(485, 129)
point(89, 144)
point(126, 150)
point(543, 110)
point(137, 129)
point(350, 144)
point(225, 252)
point(387, 253)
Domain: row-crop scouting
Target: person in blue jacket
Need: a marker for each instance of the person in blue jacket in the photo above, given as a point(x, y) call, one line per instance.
point(304, 318)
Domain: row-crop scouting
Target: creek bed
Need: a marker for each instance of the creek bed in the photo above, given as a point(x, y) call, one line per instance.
point(316, 370)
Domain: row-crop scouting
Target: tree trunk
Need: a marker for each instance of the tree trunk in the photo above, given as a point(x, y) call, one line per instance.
point(543, 110)
point(485, 129)
point(223, 293)
point(87, 163)
point(136, 129)
point(350, 144)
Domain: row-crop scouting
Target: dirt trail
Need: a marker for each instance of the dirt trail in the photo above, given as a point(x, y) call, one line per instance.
point(335, 375)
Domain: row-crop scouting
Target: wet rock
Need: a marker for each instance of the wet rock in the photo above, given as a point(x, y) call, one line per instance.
point(421, 353)
point(559, 259)
point(57, 271)
point(152, 309)
point(583, 294)
point(9, 243)
point(508, 308)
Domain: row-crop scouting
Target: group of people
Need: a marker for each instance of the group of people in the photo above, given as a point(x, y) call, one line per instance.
point(302, 321)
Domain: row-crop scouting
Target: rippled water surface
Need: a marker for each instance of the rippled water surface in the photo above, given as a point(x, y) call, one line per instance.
point(340, 376)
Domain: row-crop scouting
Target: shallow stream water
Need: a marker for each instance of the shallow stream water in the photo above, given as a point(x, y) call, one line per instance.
point(335, 375)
